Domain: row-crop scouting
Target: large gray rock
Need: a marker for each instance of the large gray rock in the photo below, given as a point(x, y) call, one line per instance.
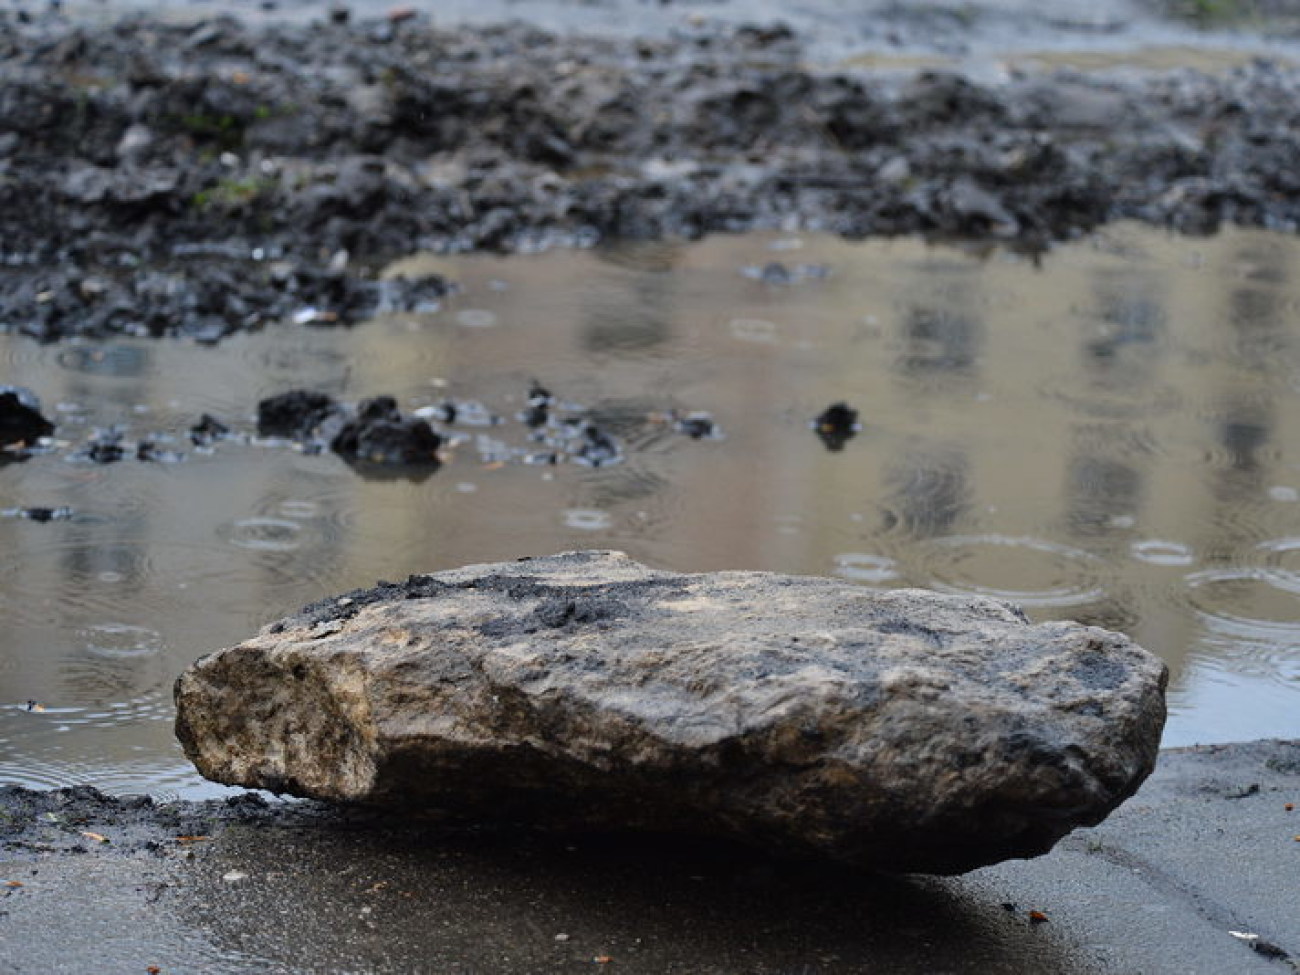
point(902, 731)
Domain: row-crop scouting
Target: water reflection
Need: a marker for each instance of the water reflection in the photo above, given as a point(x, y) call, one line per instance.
point(1132, 316)
point(938, 340)
point(126, 361)
point(1102, 494)
point(928, 491)
point(1110, 437)
point(640, 316)
point(1244, 429)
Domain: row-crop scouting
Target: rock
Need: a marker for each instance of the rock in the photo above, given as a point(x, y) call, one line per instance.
point(381, 436)
point(837, 425)
point(208, 431)
point(698, 425)
point(150, 451)
point(21, 421)
point(46, 514)
point(540, 402)
point(776, 273)
point(295, 414)
point(104, 447)
point(980, 211)
point(595, 448)
point(899, 731)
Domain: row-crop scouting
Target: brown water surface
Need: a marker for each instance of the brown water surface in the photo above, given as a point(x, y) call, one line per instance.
point(1111, 434)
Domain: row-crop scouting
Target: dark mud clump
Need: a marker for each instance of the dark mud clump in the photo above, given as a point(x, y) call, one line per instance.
point(41, 515)
point(194, 180)
point(296, 414)
point(380, 436)
point(21, 422)
point(208, 431)
point(81, 819)
point(837, 425)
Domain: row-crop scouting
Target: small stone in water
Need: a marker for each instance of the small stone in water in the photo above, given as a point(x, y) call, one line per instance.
point(836, 425)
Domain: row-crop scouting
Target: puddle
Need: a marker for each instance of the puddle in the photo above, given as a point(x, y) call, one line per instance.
point(1173, 57)
point(1031, 572)
point(1124, 55)
point(1111, 435)
point(266, 534)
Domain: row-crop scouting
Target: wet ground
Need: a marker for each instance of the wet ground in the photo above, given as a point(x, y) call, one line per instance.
point(1193, 876)
point(1108, 433)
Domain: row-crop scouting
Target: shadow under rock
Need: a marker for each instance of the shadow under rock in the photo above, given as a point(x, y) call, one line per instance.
point(361, 894)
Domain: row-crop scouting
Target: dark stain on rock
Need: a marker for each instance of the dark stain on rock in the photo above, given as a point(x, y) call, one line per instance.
point(1098, 673)
point(559, 612)
point(905, 627)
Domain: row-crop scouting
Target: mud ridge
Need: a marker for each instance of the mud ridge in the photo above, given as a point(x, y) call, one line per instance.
point(163, 179)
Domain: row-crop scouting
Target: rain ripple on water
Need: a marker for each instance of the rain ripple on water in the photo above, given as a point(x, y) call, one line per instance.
point(1030, 572)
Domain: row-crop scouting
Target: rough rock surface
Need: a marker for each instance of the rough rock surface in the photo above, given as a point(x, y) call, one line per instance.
point(901, 731)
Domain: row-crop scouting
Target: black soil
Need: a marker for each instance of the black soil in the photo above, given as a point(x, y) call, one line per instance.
point(195, 180)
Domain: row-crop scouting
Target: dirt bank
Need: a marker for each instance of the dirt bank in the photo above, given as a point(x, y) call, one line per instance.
point(200, 179)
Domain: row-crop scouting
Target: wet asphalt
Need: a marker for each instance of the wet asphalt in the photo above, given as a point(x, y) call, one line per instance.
point(1195, 874)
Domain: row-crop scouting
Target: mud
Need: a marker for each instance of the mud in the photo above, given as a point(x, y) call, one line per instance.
point(199, 179)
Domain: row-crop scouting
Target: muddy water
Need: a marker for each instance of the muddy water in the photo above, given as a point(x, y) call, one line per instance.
point(1110, 435)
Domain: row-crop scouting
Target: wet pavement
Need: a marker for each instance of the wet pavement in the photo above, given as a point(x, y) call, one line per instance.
point(1193, 876)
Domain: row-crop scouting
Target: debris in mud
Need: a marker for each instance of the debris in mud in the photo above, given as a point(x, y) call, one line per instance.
point(776, 273)
point(377, 439)
point(108, 446)
point(21, 422)
point(1257, 944)
point(696, 424)
point(469, 413)
point(837, 425)
point(380, 436)
point(150, 451)
point(1269, 950)
point(39, 515)
point(104, 447)
point(208, 431)
point(595, 447)
point(540, 402)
